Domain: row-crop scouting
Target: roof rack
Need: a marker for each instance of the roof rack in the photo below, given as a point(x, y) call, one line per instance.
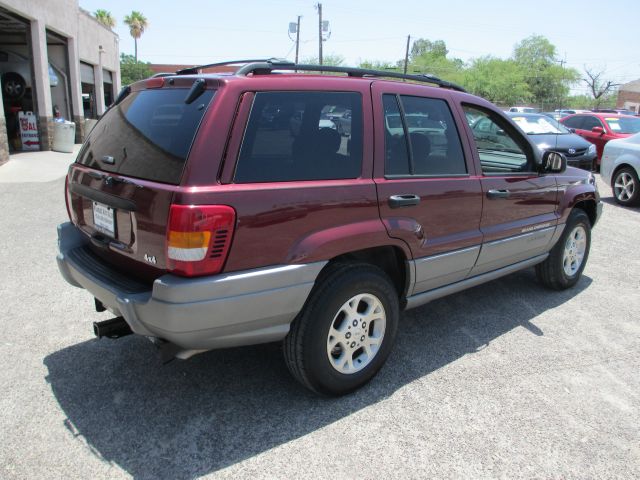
point(194, 69)
point(266, 66)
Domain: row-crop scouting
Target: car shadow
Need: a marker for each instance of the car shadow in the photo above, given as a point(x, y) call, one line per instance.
point(190, 418)
point(612, 201)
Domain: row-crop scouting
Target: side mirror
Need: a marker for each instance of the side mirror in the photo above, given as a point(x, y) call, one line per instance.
point(599, 130)
point(572, 130)
point(553, 162)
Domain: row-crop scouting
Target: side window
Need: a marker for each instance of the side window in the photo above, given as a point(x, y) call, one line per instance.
point(421, 137)
point(499, 148)
point(302, 136)
point(590, 122)
point(574, 122)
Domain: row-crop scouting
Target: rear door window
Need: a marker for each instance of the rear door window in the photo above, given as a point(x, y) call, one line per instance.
point(302, 136)
point(148, 135)
point(433, 147)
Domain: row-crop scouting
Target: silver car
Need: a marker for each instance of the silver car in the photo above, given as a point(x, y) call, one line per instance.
point(620, 168)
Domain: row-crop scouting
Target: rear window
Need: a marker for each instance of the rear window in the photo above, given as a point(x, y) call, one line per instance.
point(148, 135)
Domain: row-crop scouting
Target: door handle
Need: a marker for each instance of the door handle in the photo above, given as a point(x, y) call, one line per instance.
point(404, 200)
point(498, 194)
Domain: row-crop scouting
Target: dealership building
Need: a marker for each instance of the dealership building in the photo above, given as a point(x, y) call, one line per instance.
point(56, 62)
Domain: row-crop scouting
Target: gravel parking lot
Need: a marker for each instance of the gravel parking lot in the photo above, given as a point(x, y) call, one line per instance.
point(504, 380)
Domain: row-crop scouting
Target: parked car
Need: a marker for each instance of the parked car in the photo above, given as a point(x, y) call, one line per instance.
point(620, 111)
point(524, 110)
point(548, 134)
point(214, 228)
point(555, 115)
point(15, 70)
point(621, 169)
point(599, 128)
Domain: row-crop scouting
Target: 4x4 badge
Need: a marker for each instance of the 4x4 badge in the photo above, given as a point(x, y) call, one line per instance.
point(150, 258)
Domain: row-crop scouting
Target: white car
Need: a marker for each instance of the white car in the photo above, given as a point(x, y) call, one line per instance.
point(620, 168)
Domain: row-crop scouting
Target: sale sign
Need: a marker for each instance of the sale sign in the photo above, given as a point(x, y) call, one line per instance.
point(29, 131)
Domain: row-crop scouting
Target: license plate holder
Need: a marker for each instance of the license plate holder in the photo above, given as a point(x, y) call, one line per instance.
point(104, 219)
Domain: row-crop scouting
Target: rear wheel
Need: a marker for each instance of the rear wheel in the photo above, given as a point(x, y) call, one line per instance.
point(566, 261)
point(346, 330)
point(626, 188)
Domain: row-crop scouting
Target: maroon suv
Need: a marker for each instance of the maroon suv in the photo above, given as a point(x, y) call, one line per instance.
point(212, 211)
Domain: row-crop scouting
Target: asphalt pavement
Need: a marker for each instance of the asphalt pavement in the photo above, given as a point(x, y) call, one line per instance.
point(506, 380)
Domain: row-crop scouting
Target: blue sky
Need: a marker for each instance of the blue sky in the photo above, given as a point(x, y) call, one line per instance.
point(601, 35)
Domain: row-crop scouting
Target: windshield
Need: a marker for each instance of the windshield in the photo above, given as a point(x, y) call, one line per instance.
point(624, 124)
point(539, 125)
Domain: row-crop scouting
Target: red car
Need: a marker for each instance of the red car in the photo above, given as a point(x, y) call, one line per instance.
point(599, 128)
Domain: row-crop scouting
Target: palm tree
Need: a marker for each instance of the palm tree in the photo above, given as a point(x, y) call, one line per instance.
point(105, 18)
point(137, 24)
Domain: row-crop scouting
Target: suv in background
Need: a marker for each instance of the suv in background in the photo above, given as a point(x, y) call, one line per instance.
point(202, 219)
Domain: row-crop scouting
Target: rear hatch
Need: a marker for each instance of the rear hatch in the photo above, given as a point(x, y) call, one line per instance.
point(120, 189)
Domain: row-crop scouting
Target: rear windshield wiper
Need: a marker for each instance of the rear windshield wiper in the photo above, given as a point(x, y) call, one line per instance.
point(197, 89)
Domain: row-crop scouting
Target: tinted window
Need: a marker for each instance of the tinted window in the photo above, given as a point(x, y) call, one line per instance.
point(302, 136)
point(434, 145)
point(148, 134)
point(499, 148)
point(589, 122)
point(395, 144)
point(573, 122)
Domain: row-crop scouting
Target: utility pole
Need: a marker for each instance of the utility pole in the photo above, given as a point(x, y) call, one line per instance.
point(298, 38)
point(406, 54)
point(319, 6)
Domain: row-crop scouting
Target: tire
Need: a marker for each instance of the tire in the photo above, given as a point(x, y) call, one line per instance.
point(566, 261)
point(13, 86)
point(325, 348)
point(626, 187)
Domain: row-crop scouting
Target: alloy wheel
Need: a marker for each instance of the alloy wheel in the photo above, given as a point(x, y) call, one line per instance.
point(356, 333)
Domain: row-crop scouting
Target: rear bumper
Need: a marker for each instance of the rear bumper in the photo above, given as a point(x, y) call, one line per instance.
point(238, 308)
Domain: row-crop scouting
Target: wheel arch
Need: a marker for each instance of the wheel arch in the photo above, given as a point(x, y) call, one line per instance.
point(390, 259)
point(619, 167)
point(590, 208)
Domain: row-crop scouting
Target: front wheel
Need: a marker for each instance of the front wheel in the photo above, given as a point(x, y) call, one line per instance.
point(566, 261)
point(625, 187)
point(346, 330)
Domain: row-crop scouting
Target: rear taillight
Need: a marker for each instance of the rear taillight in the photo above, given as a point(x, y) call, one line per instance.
point(198, 238)
point(67, 196)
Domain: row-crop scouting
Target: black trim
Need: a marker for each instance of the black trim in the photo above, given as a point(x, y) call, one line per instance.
point(102, 197)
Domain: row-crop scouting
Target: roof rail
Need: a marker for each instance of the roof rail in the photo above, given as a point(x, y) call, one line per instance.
point(268, 65)
point(194, 69)
point(264, 67)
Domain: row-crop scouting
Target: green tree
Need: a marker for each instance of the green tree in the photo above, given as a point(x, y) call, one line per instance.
point(548, 82)
point(332, 60)
point(132, 70)
point(499, 81)
point(105, 18)
point(137, 23)
point(423, 46)
point(379, 65)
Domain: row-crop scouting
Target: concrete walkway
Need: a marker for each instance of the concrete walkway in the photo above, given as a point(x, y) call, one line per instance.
point(37, 166)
